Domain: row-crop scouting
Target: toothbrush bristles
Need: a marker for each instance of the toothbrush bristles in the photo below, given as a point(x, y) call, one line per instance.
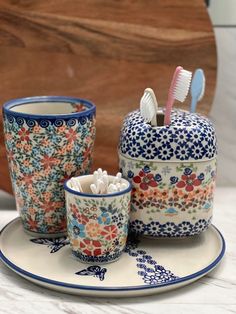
point(148, 105)
point(182, 85)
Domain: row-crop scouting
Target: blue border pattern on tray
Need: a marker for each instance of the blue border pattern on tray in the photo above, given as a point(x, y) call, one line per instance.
point(111, 289)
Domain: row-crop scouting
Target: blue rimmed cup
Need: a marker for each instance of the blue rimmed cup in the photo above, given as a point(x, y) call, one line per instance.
point(97, 224)
point(48, 139)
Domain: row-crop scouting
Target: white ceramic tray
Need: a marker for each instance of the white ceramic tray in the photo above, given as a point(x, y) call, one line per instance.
point(147, 266)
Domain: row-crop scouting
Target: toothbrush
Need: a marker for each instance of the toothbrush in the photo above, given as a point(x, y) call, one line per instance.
point(178, 90)
point(149, 106)
point(197, 88)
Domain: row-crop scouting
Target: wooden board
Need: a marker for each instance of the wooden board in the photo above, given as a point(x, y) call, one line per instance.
point(106, 51)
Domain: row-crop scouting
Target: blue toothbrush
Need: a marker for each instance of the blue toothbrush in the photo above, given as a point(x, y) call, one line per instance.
point(197, 88)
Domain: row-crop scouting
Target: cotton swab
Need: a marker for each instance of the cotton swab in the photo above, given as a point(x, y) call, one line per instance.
point(112, 188)
point(106, 181)
point(123, 186)
point(76, 184)
point(100, 184)
point(94, 189)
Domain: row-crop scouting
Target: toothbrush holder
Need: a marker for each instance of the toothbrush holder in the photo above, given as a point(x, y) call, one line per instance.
point(172, 169)
point(97, 224)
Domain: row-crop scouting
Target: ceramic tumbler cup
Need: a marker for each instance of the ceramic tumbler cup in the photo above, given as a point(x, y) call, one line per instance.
point(97, 224)
point(48, 139)
point(172, 169)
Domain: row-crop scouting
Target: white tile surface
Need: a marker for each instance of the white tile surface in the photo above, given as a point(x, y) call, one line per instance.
point(223, 12)
point(214, 293)
point(223, 111)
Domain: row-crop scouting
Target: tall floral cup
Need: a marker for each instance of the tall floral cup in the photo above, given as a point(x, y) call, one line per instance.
point(97, 224)
point(48, 140)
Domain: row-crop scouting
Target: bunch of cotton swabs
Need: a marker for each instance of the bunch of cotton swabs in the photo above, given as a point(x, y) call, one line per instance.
point(101, 183)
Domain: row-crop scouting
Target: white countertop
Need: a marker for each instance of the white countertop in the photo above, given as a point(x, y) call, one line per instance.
point(214, 293)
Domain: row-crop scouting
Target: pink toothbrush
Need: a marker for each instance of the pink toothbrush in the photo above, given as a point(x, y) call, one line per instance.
point(178, 90)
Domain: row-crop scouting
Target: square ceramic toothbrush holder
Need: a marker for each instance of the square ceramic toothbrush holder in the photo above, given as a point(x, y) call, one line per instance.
point(172, 169)
point(97, 224)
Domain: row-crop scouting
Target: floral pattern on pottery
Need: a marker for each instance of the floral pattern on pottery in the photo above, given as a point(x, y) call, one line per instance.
point(42, 153)
point(172, 169)
point(97, 226)
point(189, 137)
point(170, 199)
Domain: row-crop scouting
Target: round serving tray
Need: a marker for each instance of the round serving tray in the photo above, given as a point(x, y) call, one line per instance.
point(147, 266)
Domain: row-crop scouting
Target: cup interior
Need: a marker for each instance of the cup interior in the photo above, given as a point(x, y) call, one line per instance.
point(87, 180)
point(49, 107)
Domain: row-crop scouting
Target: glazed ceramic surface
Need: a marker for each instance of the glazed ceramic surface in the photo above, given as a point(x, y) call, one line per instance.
point(97, 224)
point(172, 170)
point(147, 266)
point(48, 139)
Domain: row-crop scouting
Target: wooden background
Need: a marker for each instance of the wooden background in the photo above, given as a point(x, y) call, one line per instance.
point(106, 51)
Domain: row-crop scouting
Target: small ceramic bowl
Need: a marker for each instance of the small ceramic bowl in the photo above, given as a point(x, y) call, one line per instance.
point(48, 140)
point(172, 169)
point(97, 224)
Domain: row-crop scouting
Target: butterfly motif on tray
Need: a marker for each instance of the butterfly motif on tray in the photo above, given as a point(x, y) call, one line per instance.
point(55, 244)
point(95, 271)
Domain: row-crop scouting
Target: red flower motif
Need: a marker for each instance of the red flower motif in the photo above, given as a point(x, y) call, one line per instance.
point(48, 206)
point(188, 182)
point(109, 232)
point(145, 180)
point(64, 178)
point(24, 134)
point(79, 107)
point(62, 224)
point(87, 153)
point(49, 162)
point(91, 247)
point(81, 218)
point(10, 156)
point(32, 224)
point(28, 179)
point(71, 135)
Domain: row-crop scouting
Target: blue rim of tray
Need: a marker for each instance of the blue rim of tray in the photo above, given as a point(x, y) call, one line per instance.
point(111, 289)
point(91, 108)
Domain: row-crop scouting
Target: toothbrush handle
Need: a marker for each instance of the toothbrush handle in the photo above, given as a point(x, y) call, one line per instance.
point(154, 120)
point(169, 106)
point(193, 105)
point(171, 99)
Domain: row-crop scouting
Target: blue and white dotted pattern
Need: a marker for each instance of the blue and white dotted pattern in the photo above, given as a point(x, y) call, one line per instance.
point(188, 137)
